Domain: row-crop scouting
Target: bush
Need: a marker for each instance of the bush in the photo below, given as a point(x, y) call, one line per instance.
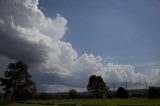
point(45, 96)
point(122, 93)
point(153, 92)
point(73, 93)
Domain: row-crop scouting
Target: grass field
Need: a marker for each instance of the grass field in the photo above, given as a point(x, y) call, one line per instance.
point(80, 102)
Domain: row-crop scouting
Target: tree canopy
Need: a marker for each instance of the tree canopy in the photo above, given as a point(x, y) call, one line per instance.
point(96, 86)
point(73, 93)
point(154, 92)
point(122, 93)
point(17, 82)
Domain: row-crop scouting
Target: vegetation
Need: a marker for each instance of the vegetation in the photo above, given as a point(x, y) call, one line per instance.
point(96, 86)
point(17, 82)
point(73, 93)
point(122, 93)
point(44, 96)
point(154, 92)
point(80, 102)
point(1, 95)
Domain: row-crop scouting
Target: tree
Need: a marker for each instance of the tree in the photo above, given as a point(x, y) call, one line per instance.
point(44, 96)
point(17, 82)
point(153, 92)
point(73, 93)
point(122, 93)
point(96, 86)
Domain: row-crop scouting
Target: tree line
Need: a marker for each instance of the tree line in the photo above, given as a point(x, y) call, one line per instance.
point(18, 85)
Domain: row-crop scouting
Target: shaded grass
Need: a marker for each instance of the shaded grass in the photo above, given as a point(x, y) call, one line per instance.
point(80, 102)
point(5, 102)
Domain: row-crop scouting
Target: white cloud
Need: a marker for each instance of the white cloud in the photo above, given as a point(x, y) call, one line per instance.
point(155, 75)
point(122, 73)
point(27, 34)
point(153, 63)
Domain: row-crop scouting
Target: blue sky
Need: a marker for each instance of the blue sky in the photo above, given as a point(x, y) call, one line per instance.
point(121, 31)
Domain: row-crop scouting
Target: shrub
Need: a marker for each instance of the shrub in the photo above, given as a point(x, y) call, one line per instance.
point(153, 92)
point(122, 93)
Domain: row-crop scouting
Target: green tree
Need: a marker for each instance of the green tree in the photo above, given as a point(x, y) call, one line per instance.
point(122, 93)
point(154, 92)
point(17, 82)
point(96, 86)
point(73, 93)
point(45, 96)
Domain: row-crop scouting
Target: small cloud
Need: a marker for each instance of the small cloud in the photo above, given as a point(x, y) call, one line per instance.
point(154, 63)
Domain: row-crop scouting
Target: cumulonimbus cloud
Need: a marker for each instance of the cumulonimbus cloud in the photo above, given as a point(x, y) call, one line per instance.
point(28, 35)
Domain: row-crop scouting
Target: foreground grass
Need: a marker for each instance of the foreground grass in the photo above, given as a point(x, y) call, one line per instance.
point(80, 102)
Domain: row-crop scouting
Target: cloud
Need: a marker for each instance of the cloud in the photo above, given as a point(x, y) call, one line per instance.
point(59, 88)
point(155, 75)
point(28, 35)
point(26, 30)
point(154, 63)
point(4, 61)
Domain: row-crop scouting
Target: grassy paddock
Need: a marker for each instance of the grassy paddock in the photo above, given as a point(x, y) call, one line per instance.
point(80, 102)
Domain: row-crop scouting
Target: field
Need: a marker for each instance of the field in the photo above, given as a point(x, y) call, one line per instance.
point(80, 102)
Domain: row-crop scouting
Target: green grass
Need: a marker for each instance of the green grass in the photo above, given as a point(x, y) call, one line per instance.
point(80, 102)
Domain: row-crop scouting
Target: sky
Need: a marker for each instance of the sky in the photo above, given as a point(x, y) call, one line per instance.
point(65, 41)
